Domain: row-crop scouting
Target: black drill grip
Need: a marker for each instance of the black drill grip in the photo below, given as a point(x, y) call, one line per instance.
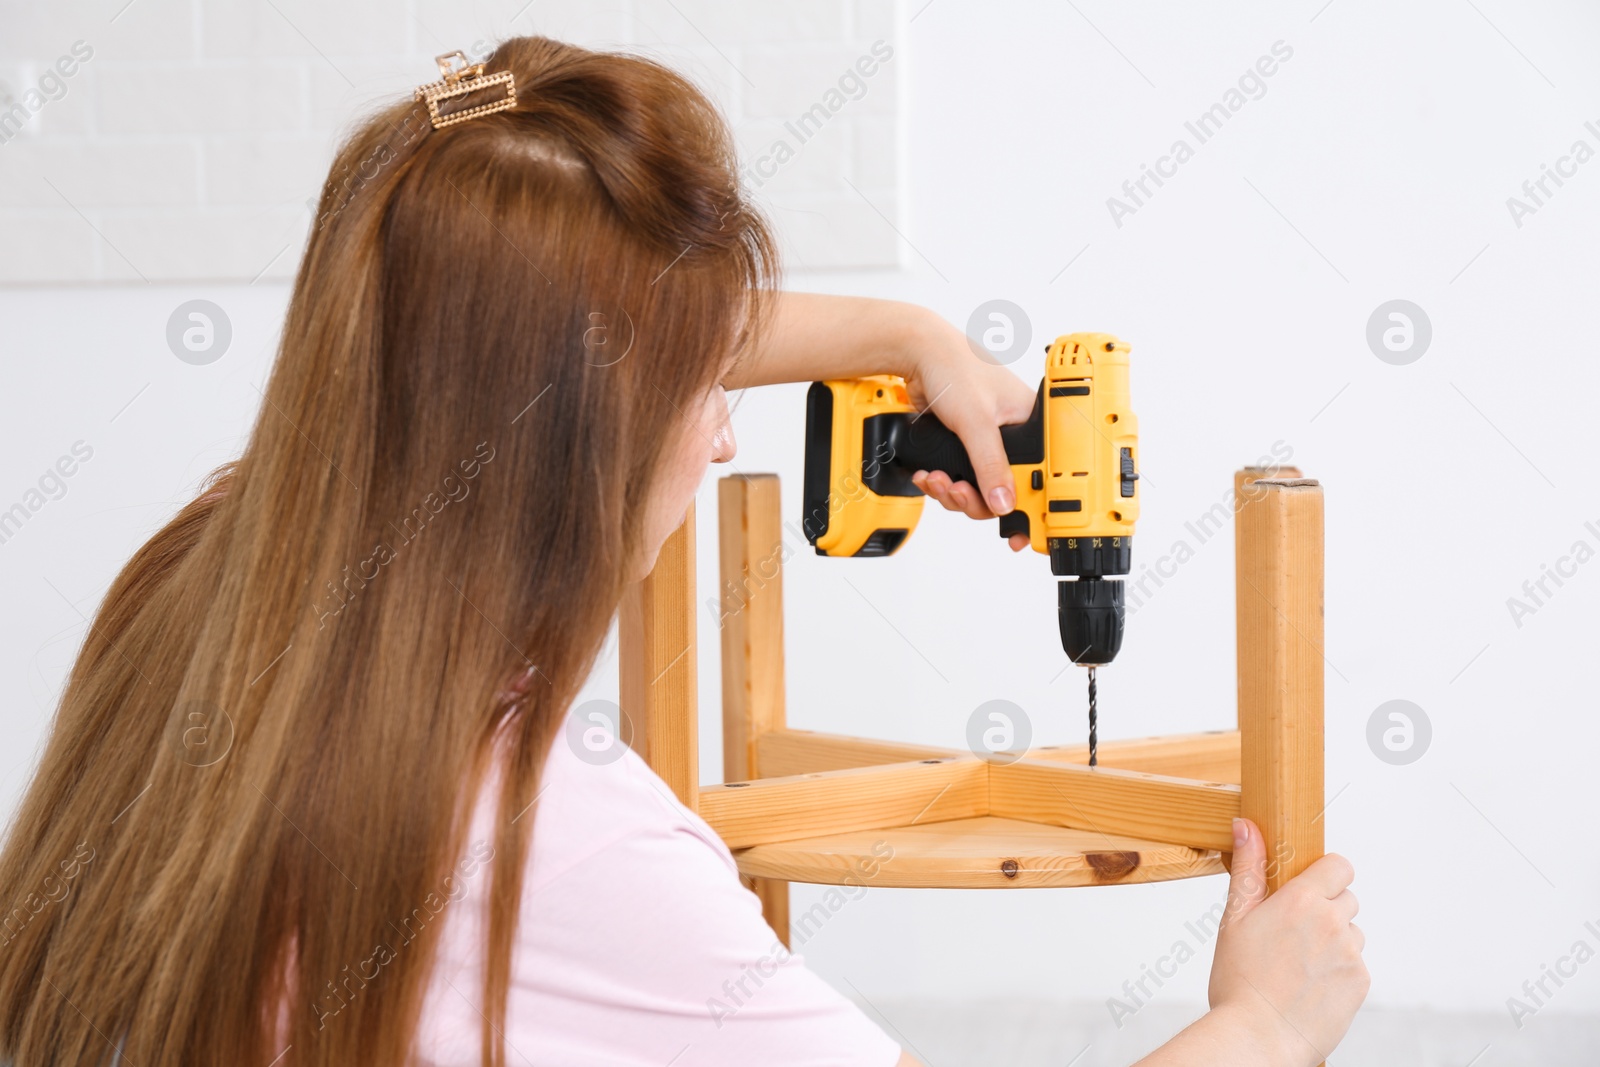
point(895, 445)
point(926, 444)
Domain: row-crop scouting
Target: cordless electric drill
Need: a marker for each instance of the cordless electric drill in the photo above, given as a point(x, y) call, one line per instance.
point(1075, 460)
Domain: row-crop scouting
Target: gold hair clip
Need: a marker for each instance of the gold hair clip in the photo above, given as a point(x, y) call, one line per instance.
point(460, 80)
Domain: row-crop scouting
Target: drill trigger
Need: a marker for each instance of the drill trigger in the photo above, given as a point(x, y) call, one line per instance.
point(1015, 522)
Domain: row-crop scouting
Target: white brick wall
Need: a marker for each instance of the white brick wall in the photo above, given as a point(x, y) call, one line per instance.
point(182, 139)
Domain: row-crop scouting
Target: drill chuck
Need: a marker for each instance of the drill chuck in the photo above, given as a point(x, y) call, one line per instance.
point(1091, 614)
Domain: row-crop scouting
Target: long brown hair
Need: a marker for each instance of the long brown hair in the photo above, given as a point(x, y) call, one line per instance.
point(258, 768)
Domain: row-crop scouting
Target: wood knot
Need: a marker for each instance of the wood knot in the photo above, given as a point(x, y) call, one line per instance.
point(1009, 868)
point(1112, 866)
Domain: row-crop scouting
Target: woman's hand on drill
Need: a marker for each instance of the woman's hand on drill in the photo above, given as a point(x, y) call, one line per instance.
point(1288, 968)
point(814, 336)
point(974, 398)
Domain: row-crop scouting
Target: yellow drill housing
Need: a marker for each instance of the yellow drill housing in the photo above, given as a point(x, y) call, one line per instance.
point(1075, 461)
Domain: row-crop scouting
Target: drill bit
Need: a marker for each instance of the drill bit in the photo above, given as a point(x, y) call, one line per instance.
point(1093, 723)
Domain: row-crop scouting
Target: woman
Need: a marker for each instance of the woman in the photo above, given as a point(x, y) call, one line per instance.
point(281, 817)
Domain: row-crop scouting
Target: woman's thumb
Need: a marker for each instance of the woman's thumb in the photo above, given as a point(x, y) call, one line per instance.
point(1247, 884)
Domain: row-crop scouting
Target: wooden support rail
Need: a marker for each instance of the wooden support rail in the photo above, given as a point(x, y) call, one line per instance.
point(1105, 800)
point(863, 798)
point(807, 752)
point(1115, 802)
point(1212, 756)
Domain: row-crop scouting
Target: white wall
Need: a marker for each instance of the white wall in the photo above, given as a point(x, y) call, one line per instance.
point(164, 140)
point(1377, 165)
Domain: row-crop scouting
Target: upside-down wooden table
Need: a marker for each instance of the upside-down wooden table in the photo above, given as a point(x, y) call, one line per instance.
point(799, 806)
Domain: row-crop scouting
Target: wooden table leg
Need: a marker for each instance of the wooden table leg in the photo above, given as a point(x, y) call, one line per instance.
point(657, 652)
point(751, 619)
point(1279, 590)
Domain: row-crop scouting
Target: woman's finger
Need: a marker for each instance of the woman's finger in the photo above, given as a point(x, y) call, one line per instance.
point(1346, 906)
point(989, 463)
point(937, 485)
point(1328, 875)
point(965, 494)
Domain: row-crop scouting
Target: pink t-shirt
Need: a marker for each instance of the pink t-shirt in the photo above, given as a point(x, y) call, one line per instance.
point(638, 944)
